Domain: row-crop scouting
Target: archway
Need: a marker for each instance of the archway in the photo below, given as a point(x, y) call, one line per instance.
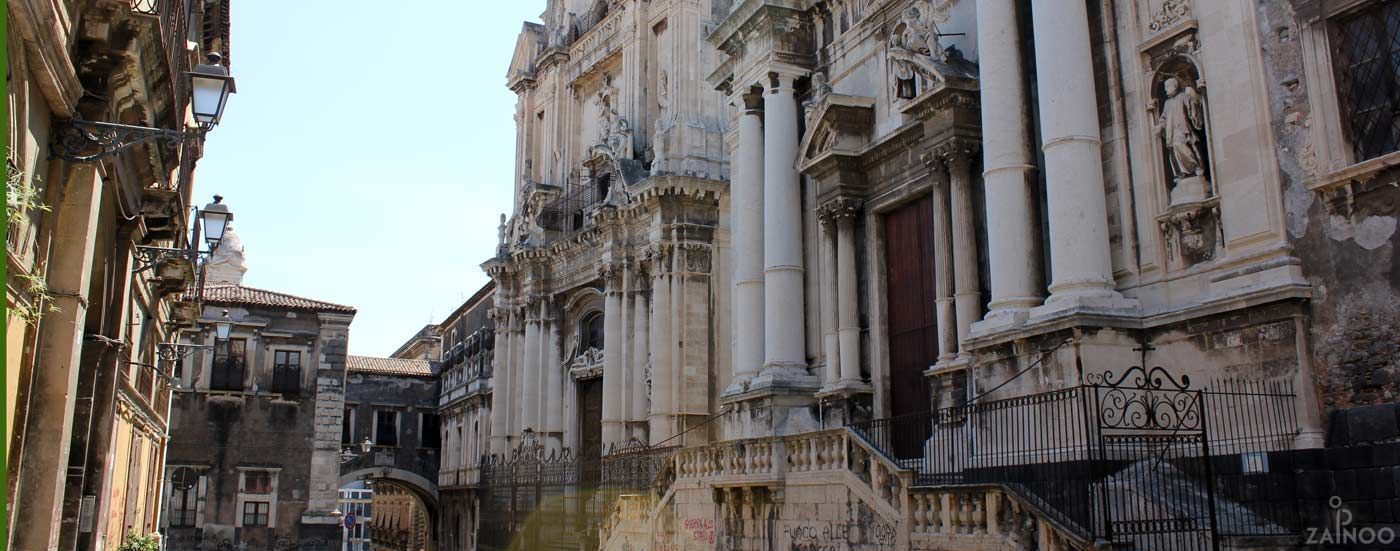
point(402, 513)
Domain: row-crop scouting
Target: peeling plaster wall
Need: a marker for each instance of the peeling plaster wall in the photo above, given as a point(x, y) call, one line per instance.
point(1348, 252)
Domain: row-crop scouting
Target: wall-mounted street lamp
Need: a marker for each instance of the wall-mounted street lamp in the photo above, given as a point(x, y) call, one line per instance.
point(348, 455)
point(83, 141)
point(223, 327)
point(211, 221)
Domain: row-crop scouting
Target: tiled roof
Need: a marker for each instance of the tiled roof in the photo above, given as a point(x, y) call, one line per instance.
point(241, 295)
point(389, 366)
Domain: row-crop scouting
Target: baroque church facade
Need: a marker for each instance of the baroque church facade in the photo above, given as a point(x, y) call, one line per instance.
point(945, 273)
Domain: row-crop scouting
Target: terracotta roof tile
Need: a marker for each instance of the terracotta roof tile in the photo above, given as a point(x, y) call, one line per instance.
point(389, 366)
point(241, 295)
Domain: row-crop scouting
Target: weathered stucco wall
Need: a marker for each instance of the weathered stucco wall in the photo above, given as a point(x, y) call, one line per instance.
point(1347, 241)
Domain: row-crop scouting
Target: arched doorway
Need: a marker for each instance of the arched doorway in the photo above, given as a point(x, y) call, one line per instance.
point(396, 509)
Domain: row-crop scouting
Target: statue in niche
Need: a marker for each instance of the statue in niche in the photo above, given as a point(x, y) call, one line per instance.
point(1181, 125)
point(914, 44)
point(661, 132)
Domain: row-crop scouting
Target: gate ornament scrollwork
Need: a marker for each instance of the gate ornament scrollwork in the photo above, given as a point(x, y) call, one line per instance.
point(1143, 399)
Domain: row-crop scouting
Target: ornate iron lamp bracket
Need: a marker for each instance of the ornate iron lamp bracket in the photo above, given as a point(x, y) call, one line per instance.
point(150, 257)
point(175, 351)
point(83, 141)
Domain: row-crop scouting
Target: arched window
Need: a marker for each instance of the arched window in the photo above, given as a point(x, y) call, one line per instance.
point(591, 331)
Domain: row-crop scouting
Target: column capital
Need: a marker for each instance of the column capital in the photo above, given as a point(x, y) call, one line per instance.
point(749, 102)
point(839, 210)
point(782, 79)
point(956, 153)
point(611, 274)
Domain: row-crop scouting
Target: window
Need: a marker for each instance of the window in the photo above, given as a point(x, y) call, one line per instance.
point(184, 497)
point(591, 332)
point(347, 427)
point(255, 513)
point(257, 482)
point(386, 428)
point(430, 430)
point(286, 372)
point(1367, 65)
point(230, 355)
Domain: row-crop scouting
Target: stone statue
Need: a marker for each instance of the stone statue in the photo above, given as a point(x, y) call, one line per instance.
point(661, 131)
point(914, 44)
point(501, 234)
point(1181, 126)
point(820, 89)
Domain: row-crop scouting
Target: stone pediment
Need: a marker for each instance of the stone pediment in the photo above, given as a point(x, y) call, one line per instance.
point(522, 62)
point(840, 126)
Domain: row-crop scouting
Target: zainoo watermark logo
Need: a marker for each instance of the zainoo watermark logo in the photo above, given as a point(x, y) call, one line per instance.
point(1341, 530)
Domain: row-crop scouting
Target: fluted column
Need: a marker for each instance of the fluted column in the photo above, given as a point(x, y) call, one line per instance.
point(1013, 247)
point(530, 372)
point(640, 351)
point(831, 347)
point(661, 341)
point(500, 371)
point(613, 391)
point(967, 290)
point(942, 260)
point(746, 207)
point(783, 319)
point(553, 377)
point(847, 302)
point(1069, 126)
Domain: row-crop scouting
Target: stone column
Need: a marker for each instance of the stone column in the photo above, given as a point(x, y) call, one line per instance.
point(43, 466)
point(831, 347)
point(530, 372)
point(783, 318)
point(613, 390)
point(516, 373)
point(1069, 125)
point(322, 496)
point(847, 301)
point(553, 377)
point(640, 350)
point(1014, 250)
point(967, 290)
point(661, 341)
point(942, 260)
point(746, 205)
point(500, 380)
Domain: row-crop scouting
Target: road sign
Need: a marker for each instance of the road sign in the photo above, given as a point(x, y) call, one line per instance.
point(349, 520)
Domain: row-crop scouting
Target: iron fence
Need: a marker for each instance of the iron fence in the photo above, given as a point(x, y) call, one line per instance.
point(534, 495)
point(1139, 457)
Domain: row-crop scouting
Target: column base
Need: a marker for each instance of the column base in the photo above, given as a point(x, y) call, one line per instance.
point(1111, 305)
point(771, 410)
point(784, 375)
point(998, 320)
point(739, 385)
point(846, 403)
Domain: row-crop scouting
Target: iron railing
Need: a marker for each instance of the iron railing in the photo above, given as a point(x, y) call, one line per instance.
point(569, 212)
point(227, 374)
point(1115, 454)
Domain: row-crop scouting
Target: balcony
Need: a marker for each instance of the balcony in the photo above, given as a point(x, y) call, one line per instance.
point(227, 375)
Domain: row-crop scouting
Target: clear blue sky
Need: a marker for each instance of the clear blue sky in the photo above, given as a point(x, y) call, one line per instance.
point(368, 152)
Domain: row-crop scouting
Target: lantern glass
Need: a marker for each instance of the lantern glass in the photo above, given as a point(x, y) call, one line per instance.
point(210, 87)
point(365, 446)
point(215, 218)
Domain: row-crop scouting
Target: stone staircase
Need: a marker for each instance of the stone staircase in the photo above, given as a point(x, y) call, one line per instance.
point(823, 490)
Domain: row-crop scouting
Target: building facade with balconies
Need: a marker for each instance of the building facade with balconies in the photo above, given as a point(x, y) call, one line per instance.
point(254, 455)
point(464, 405)
point(92, 308)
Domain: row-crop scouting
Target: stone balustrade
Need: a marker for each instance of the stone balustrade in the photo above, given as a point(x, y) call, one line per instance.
point(983, 517)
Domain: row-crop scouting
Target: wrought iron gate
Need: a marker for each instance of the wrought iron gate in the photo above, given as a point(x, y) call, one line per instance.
point(1157, 489)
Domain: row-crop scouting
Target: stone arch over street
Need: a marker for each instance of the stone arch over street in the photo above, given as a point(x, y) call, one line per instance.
point(392, 487)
